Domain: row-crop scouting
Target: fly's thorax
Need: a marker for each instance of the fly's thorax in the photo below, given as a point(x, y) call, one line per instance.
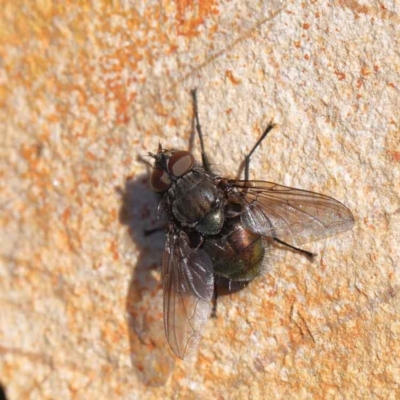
point(196, 202)
point(188, 193)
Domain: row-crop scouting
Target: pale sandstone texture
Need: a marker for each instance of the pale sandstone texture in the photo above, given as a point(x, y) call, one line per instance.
point(88, 87)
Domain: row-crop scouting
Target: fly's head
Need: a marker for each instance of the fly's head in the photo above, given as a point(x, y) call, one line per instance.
point(169, 165)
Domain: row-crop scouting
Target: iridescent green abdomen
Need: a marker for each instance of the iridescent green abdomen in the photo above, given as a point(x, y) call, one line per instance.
point(237, 253)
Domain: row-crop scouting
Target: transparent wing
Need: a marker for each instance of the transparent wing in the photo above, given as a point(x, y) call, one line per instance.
point(188, 280)
point(292, 215)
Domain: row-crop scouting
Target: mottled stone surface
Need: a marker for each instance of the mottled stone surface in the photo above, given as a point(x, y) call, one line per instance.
point(87, 87)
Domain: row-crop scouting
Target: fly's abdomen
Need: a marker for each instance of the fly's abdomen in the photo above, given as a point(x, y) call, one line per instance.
point(238, 254)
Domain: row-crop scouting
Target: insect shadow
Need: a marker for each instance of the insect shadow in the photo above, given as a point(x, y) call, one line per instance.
point(2, 393)
point(150, 355)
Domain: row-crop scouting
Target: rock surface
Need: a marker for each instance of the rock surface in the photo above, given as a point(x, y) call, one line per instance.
point(88, 87)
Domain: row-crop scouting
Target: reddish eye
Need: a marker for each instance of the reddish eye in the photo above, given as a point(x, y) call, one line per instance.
point(180, 163)
point(160, 180)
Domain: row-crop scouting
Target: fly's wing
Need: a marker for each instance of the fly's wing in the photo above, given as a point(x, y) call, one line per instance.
point(292, 215)
point(188, 280)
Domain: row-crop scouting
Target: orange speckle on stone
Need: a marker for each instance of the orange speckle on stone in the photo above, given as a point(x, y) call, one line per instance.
point(122, 109)
point(356, 7)
point(341, 75)
point(228, 111)
point(297, 43)
point(365, 71)
point(172, 48)
point(306, 57)
point(92, 109)
point(376, 68)
point(30, 153)
point(140, 367)
point(160, 109)
point(230, 76)
point(394, 155)
point(110, 141)
point(191, 15)
point(53, 118)
point(65, 216)
point(213, 29)
point(306, 26)
point(359, 83)
point(392, 85)
point(114, 214)
point(172, 122)
point(358, 97)
point(90, 156)
point(322, 265)
point(114, 250)
point(127, 161)
point(317, 14)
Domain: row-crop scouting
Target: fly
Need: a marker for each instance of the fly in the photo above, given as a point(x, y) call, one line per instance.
point(224, 229)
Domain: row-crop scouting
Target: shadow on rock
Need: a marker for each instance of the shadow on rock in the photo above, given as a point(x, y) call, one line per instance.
point(150, 353)
point(2, 393)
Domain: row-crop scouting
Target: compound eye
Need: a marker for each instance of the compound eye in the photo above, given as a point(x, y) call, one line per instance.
point(160, 180)
point(180, 163)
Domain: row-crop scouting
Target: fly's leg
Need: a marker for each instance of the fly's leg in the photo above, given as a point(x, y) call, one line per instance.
point(148, 232)
point(204, 158)
point(214, 302)
point(247, 159)
point(304, 252)
point(223, 287)
point(144, 161)
point(246, 177)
